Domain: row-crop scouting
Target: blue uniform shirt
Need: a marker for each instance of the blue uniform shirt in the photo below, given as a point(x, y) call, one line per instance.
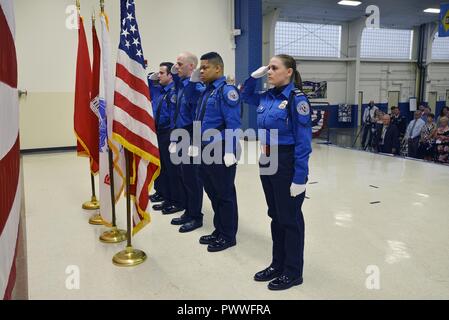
point(222, 108)
point(292, 122)
point(167, 105)
point(187, 98)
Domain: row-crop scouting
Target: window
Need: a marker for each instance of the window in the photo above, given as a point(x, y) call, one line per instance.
point(386, 43)
point(440, 48)
point(307, 39)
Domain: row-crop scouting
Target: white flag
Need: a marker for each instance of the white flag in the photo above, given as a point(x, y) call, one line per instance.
point(106, 110)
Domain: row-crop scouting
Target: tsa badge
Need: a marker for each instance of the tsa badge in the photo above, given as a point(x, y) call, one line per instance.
point(233, 95)
point(283, 105)
point(173, 98)
point(303, 108)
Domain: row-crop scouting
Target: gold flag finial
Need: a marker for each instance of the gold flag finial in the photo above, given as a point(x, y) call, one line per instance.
point(78, 5)
point(93, 15)
point(102, 6)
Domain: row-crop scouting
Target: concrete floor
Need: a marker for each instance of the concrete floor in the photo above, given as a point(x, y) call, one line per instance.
point(402, 242)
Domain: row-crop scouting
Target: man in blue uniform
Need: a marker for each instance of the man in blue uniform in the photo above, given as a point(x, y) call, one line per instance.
point(183, 118)
point(218, 108)
point(163, 101)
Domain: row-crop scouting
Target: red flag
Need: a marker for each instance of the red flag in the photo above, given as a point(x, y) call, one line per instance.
point(85, 119)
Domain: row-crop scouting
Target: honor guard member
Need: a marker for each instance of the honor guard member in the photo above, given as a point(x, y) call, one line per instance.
point(219, 108)
point(163, 106)
point(183, 118)
point(285, 108)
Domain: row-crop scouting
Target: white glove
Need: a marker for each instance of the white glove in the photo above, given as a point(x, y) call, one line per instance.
point(193, 151)
point(172, 148)
point(154, 76)
point(259, 73)
point(229, 159)
point(195, 77)
point(297, 189)
point(174, 69)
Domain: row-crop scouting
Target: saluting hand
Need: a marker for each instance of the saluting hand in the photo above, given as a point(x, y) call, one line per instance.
point(154, 76)
point(174, 69)
point(195, 77)
point(259, 73)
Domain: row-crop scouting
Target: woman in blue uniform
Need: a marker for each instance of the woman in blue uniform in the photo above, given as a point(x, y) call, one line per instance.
point(283, 111)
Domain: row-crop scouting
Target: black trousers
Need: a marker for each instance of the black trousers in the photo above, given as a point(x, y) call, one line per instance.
point(287, 221)
point(219, 185)
point(413, 145)
point(193, 189)
point(161, 185)
point(367, 135)
point(169, 182)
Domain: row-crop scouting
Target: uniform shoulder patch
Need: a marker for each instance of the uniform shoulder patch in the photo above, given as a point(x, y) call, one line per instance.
point(231, 94)
point(303, 108)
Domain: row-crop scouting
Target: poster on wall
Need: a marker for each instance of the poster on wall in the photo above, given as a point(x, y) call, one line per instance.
point(315, 90)
point(412, 104)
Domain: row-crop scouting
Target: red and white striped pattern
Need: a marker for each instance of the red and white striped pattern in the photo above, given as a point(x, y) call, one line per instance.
point(10, 193)
point(134, 128)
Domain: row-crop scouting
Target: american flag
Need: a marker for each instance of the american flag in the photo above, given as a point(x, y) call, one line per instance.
point(10, 191)
point(133, 122)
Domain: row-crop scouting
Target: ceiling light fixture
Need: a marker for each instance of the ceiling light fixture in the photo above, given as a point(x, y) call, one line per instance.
point(432, 10)
point(349, 3)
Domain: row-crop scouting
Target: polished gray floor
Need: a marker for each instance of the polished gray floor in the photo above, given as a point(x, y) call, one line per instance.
point(376, 228)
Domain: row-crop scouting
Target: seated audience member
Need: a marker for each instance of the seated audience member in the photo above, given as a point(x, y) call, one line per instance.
point(426, 142)
point(387, 137)
point(441, 137)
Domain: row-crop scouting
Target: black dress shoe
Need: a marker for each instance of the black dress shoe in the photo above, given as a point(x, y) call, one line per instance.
point(156, 198)
point(160, 206)
point(190, 226)
point(267, 274)
point(220, 244)
point(171, 209)
point(284, 282)
point(181, 220)
point(208, 239)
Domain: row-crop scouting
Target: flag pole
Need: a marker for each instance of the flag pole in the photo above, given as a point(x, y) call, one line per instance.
point(129, 257)
point(94, 204)
point(102, 6)
point(114, 235)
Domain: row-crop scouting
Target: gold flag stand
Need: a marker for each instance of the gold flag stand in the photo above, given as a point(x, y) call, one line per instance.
point(114, 235)
point(129, 257)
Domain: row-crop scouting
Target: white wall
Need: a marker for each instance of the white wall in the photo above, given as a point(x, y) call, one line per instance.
point(438, 80)
point(47, 53)
point(377, 78)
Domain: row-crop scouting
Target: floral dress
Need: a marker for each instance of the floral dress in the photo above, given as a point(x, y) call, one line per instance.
point(442, 144)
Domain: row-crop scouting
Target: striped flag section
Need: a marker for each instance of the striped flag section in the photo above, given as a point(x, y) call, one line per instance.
point(106, 142)
point(10, 192)
point(133, 124)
